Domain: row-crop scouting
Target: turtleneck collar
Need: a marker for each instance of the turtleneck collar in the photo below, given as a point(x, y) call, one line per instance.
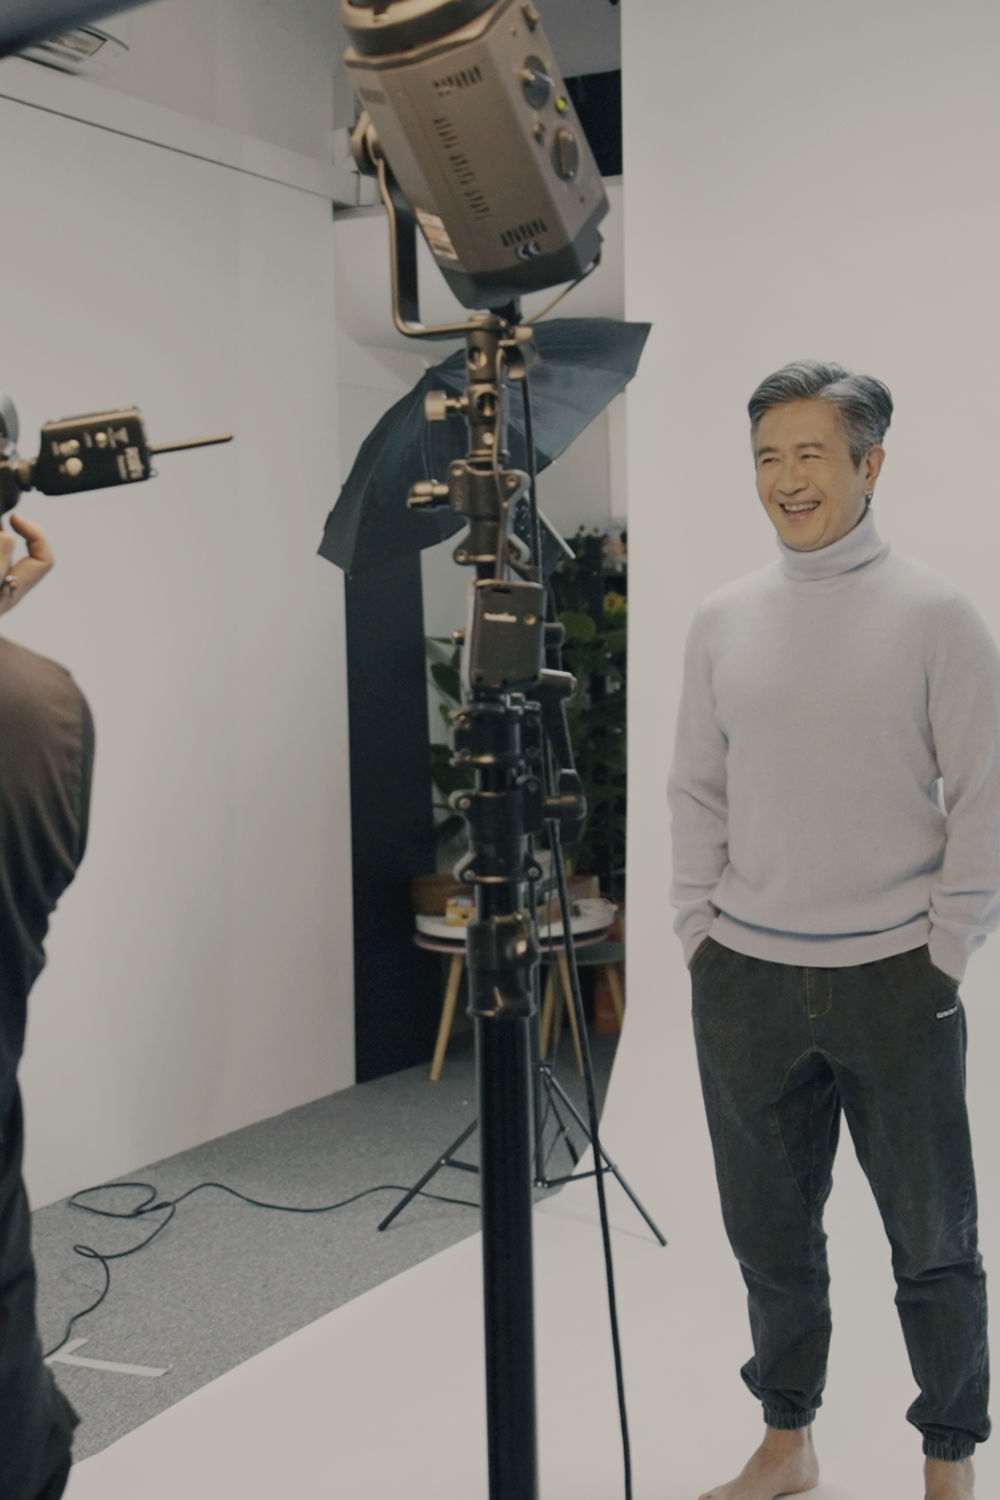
point(858, 549)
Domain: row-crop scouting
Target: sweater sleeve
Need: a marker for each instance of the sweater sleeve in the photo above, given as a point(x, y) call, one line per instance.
point(964, 711)
point(696, 792)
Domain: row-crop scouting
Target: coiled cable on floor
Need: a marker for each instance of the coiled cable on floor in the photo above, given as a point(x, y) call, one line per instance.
point(150, 1204)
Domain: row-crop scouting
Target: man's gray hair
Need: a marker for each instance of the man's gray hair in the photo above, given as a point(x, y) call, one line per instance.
point(864, 403)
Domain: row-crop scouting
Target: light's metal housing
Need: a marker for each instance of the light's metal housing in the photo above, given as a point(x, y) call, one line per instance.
point(477, 128)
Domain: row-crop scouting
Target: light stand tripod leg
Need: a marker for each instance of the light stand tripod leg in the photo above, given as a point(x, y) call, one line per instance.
point(606, 1164)
point(444, 1160)
point(544, 1106)
point(548, 1108)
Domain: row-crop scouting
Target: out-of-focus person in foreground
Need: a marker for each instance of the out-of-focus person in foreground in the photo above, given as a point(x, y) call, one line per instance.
point(46, 757)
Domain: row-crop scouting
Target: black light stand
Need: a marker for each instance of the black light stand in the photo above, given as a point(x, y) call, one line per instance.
point(494, 733)
point(513, 709)
point(511, 706)
point(503, 653)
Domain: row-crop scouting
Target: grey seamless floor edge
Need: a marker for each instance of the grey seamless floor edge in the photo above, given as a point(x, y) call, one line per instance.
point(226, 1280)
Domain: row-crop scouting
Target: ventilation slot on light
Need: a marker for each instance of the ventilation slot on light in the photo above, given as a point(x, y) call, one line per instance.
point(523, 232)
point(463, 169)
point(463, 80)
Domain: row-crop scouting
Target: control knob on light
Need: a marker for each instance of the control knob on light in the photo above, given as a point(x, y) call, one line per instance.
point(536, 82)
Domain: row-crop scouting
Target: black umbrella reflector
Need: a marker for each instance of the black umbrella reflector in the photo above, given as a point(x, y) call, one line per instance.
point(584, 363)
point(25, 21)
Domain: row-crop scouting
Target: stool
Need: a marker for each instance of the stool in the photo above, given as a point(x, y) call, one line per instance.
point(605, 957)
point(555, 952)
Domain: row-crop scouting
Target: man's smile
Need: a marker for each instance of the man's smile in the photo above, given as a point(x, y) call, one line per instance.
point(807, 479)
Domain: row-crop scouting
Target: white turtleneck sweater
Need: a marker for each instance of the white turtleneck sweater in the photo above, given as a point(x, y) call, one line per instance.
point(835, 790)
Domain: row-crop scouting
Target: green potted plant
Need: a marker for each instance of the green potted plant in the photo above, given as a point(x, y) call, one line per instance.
point(444, 666)
point(595, 652)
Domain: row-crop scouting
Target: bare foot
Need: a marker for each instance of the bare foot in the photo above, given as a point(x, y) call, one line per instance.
point(947, 1481)
point(785, 1464)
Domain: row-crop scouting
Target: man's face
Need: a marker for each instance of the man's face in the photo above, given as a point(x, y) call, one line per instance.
point(805, 477)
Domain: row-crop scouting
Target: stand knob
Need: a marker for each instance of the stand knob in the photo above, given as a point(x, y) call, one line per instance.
point(429, 492)
point(438, 405)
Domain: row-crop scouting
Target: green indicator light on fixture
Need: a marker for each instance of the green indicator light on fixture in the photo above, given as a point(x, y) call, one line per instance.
point(562, 103)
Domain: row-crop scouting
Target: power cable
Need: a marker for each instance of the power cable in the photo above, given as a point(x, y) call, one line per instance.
point(554, 832)
point(168, 1206)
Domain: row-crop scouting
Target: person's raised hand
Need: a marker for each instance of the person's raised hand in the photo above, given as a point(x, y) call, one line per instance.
point(19, 578)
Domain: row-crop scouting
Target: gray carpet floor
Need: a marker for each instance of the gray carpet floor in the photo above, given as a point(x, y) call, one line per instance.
point(225, 1280)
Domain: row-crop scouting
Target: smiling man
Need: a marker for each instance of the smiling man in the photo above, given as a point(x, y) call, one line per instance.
point(835, 799)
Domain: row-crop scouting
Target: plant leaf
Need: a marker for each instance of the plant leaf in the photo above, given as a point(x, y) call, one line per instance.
point(578, 627)
point(447, 679)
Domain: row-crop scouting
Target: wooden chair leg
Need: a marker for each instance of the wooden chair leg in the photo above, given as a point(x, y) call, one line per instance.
point(570, 1009)
point(616, 992)
point(547, 1007)
point(558, 1003)
point(447, 1014)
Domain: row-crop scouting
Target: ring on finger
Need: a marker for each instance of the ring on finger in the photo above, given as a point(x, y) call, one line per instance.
point(8, 589)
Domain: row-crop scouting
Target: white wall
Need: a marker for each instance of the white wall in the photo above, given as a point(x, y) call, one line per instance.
point(799, 181)
point(200, 971)
point(261, 69)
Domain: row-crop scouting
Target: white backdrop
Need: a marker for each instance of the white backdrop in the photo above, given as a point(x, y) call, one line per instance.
point(200, 973)
point(799, 182)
